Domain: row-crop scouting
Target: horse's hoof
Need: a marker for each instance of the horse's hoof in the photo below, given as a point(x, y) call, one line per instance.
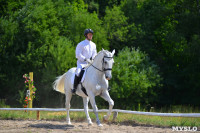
point(69, 123)
point(90, 123)
point(105, 118)
point(100, 125)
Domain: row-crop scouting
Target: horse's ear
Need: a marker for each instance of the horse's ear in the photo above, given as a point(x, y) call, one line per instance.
point(104, 51)
point(113, 52)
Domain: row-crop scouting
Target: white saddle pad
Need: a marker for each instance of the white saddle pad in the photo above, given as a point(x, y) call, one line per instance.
point(73, 76)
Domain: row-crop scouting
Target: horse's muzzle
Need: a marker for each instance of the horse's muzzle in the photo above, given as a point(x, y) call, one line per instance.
point(108, 78)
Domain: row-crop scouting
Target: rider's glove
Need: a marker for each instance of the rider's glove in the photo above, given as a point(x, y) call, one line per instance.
point(88, 61)
point(91, 59)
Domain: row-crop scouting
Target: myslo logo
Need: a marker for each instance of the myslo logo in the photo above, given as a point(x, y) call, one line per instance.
point(185, 128)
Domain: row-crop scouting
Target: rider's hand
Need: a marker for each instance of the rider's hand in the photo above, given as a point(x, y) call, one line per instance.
point(88, 61)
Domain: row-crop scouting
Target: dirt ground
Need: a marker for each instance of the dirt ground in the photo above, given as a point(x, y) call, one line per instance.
point(28, 126)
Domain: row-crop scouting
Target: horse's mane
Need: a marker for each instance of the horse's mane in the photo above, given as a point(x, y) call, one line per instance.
point(100, 53)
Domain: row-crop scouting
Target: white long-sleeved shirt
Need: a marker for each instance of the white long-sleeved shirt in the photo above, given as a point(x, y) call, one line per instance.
point(85, 50)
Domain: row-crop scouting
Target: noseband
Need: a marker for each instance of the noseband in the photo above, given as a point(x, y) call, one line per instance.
point(104, 69)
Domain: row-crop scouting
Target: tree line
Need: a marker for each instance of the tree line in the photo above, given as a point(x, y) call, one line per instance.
point(157, 44)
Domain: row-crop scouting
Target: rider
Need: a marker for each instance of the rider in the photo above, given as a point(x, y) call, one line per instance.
point(85, 53)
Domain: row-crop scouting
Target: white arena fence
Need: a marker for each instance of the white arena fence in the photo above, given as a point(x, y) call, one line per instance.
point(105, 110)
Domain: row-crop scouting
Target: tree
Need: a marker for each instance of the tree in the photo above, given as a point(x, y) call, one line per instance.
point(165, 30)
point(100, 6)
point(82, 20)
point(7, 7)
point(117, 27)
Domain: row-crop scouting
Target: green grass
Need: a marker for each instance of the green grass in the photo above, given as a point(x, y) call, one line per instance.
point(128, 119)
point(159, 120)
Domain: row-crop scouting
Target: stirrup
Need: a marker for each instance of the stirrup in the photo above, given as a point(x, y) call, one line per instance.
point(73, 91)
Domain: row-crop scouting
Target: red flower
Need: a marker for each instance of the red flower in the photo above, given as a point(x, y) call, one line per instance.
point(29, 82)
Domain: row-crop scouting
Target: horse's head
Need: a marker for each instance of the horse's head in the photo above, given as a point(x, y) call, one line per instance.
point(108, 63)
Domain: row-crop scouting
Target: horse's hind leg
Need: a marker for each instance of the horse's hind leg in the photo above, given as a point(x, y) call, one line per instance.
point(68, 96)
point(85, 102)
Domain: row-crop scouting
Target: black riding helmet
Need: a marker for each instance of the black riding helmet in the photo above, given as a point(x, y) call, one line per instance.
point(88, 31)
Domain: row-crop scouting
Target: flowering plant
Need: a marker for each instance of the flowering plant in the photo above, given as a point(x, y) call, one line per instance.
point(28, 82)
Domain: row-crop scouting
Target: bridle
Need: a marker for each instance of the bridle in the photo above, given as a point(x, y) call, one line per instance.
point(104, 69)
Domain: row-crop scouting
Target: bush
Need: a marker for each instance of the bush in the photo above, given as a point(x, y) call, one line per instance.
point(135, 79)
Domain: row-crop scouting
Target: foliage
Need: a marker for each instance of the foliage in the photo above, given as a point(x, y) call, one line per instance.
point(117, 27)
point(7, 7)
point(165, 30)
point(3, 104)
point(135, 78)
point(80, 21)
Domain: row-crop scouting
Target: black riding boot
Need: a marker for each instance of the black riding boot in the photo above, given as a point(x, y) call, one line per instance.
point(76, 81)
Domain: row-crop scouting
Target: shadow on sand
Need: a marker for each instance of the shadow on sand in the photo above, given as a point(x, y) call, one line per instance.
point(52, 126)
point(135, 124)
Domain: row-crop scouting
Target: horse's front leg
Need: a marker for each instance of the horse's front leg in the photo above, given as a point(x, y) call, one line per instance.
point(105, 95)
point(94, 106)
point(85, 102)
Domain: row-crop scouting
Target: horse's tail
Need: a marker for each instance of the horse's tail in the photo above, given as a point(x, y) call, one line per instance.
point(59, 83)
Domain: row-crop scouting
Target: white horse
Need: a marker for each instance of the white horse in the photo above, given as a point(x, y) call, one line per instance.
point(96, 83)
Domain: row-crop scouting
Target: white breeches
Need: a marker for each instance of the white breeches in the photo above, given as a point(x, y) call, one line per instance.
point(78, 69)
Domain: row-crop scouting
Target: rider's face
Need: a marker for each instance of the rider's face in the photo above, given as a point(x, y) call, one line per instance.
point(89, 36)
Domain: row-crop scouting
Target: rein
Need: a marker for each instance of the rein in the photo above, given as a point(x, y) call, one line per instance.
point(104, 69)
point(97, 68)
